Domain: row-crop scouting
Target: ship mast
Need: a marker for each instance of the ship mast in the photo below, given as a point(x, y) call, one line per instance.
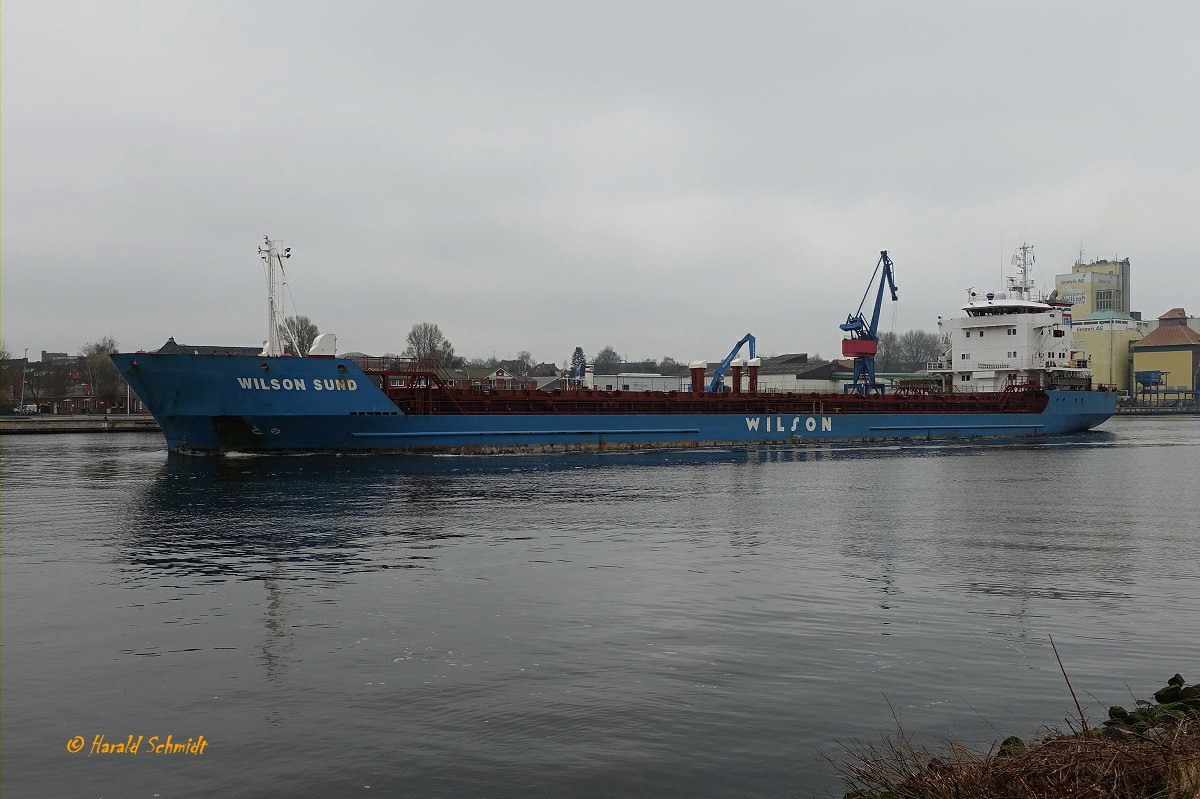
point(272, 255)
point(1023, 260)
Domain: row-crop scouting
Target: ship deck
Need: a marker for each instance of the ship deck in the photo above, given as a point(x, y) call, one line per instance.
point(419, 388)
point(434, 400)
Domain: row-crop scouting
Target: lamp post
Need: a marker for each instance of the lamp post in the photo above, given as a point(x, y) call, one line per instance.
point(1111, 322)
point(24, 367)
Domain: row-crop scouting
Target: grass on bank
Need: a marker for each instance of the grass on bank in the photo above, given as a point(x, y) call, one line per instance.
point(1151, 752)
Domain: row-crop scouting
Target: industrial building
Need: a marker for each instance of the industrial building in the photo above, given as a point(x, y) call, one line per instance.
point(635, 381)
point(1105, 337)
point(1104, 326)
point(1096, 286)
point(777, 374)
point(1167, 359)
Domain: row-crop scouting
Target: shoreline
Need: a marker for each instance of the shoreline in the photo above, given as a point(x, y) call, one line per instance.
point(1151, 752)
point(81, 423)
point(1156, 411)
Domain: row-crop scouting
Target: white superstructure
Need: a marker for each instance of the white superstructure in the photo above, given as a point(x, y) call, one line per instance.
point(1011, 338)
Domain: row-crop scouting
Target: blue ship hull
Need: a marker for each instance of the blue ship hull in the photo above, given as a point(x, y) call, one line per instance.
point(215, 403)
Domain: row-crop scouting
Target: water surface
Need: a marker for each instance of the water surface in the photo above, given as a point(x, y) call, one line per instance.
point(667, 624)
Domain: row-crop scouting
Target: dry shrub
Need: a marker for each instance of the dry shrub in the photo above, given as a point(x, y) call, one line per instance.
point(1160, 762)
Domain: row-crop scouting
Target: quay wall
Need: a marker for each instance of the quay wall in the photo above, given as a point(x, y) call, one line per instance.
point(1157, 410)
point(84, 423)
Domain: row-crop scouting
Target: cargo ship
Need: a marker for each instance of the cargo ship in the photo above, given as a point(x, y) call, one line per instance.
point(212, 401)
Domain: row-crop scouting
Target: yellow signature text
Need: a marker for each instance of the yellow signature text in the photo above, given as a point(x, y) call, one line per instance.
point(138, 744)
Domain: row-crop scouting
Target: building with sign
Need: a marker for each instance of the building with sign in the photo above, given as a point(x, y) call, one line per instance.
point(635, 381)
point(1098, 286)
point(1106, 338)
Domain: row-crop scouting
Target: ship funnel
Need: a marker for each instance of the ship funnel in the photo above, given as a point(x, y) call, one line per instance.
point(754, 364)
point(698, 368)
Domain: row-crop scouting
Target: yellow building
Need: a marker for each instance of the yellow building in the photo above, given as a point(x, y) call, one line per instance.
point(1173, 349)
point(1105, 338)
point(1098, 286)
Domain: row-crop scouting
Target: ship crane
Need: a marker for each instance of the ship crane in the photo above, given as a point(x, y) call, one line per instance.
point(718, 376)
point(863, 342)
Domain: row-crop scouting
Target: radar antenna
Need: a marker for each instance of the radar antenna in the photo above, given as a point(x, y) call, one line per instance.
point(1020, 284)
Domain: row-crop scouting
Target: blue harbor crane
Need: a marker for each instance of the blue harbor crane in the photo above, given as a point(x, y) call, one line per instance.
point(718, 376)
point(863, 342)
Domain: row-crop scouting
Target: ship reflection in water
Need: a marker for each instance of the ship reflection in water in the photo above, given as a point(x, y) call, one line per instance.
point(245, 517)
point(324, 517)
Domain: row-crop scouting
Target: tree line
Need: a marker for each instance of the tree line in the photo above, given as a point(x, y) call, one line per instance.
point(425, 340)
point(92, 366)
point(907, 352)
point(46, 381)
point(910, 351)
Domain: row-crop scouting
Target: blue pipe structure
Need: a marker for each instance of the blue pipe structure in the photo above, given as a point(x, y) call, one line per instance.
point(718, 376)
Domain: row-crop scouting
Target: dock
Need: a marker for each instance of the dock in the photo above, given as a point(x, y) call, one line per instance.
point(1157, 410)
point(82, 423)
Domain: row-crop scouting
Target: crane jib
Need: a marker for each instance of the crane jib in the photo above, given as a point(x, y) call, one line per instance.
point(719, 374)
point(863, 343)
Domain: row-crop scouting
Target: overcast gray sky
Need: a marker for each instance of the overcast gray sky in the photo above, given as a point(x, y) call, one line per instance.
point(658, 177)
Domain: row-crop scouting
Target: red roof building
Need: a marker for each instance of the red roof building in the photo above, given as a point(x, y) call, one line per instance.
point(1171, 349)
point(1172, 331)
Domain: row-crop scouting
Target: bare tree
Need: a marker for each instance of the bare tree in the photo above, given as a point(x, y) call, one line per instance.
point(426, 341)
point(910, 351)
point(526, 359)
point(670, 366)
point(9, 377)
point(45, 381)
point(607, 360)
point(916, 348)
point(99, 371)
point(300, 333)
point(887, 357)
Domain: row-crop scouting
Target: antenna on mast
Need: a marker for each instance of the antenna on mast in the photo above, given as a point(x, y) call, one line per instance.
point(1022, 260)
point(272, 255)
